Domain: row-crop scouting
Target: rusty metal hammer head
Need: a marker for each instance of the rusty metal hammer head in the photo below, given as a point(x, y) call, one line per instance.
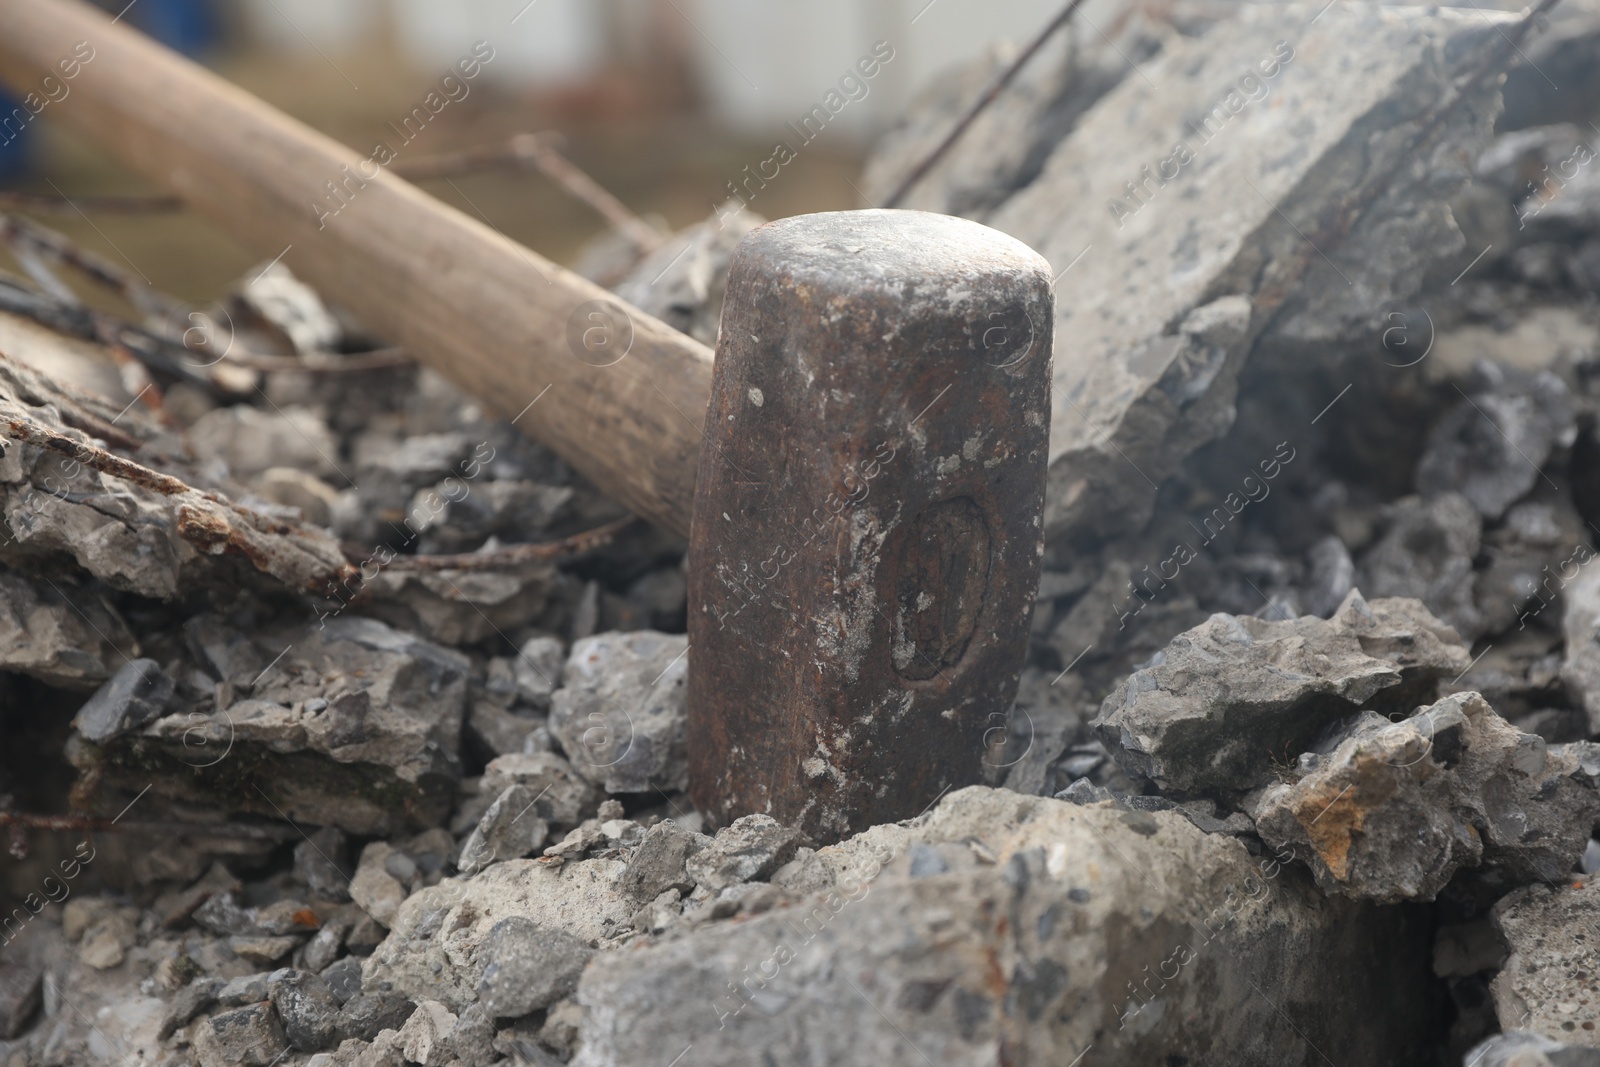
point(867, 516)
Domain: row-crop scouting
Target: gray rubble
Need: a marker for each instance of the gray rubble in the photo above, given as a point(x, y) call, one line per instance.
point(1490, 446)
point(660, 862)
point(528, 967)
point(142, 530)
point(137, 693)
point(306, 1007)
point(458, 607)
point(250, 440)
point(1426, 553)
point(1231, 699)
point(1205, 888)
point(749, 848)
point(1007, 144)
point(508, 830)
point(1581, 623)
point(1390, 811)
point(682, 282)
point(61, 633)
point(431, 952)
point(620, 715)
point(563, 798)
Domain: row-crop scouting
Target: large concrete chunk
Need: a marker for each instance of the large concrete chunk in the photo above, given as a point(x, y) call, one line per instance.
point(1236, 696)
point(1391, 811)
point(1276, 160)
point(1011, 929)
point(1549, 984)
point(352, 724)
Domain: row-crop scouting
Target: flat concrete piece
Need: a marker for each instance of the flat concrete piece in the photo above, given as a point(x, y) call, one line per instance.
point(1285, 152)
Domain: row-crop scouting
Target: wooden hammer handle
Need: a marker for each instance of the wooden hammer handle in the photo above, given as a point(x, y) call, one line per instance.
point(464, 299)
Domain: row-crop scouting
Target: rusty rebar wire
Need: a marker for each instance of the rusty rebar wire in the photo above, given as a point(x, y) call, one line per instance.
point(932, 159)
point(504, 558)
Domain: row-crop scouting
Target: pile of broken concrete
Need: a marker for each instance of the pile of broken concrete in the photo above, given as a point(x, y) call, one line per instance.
point(1302, 768)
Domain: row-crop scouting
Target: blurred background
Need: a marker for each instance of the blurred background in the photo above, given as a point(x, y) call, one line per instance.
point(662, 101)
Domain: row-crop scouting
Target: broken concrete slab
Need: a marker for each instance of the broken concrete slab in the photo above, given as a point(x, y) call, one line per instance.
point(1064, 934)
point(1548, 984)
point(1005, 146)
point(660, 861)
point(564, 798)
point(537, 670)
point(251, 1035)
point(1231, 698)
point(1256, 130)
point(1391, 811)
point(353, 724)
point(749, 848)
point(1049, 714)
point(460, 607)
point(1532, 554)
point(621, 715)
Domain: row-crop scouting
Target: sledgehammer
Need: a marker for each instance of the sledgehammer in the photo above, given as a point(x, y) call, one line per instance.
point(867, 525)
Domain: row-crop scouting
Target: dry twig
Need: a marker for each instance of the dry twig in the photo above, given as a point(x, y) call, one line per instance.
point(539, 151)
point(50, 204)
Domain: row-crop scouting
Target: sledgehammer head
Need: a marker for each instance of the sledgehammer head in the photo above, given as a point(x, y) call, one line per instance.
point(867, 516)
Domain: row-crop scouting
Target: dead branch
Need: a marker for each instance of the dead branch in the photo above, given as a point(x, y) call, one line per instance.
point(30, 237)
point(538, 150)
point(49, 204)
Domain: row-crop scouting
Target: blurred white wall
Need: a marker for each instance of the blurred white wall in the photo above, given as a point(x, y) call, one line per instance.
point(549, 43)
point(296, 25)
point(761, 62)
point(794, 51)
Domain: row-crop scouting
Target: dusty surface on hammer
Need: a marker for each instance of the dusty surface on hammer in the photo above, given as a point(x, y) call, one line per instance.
point(867, 530)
